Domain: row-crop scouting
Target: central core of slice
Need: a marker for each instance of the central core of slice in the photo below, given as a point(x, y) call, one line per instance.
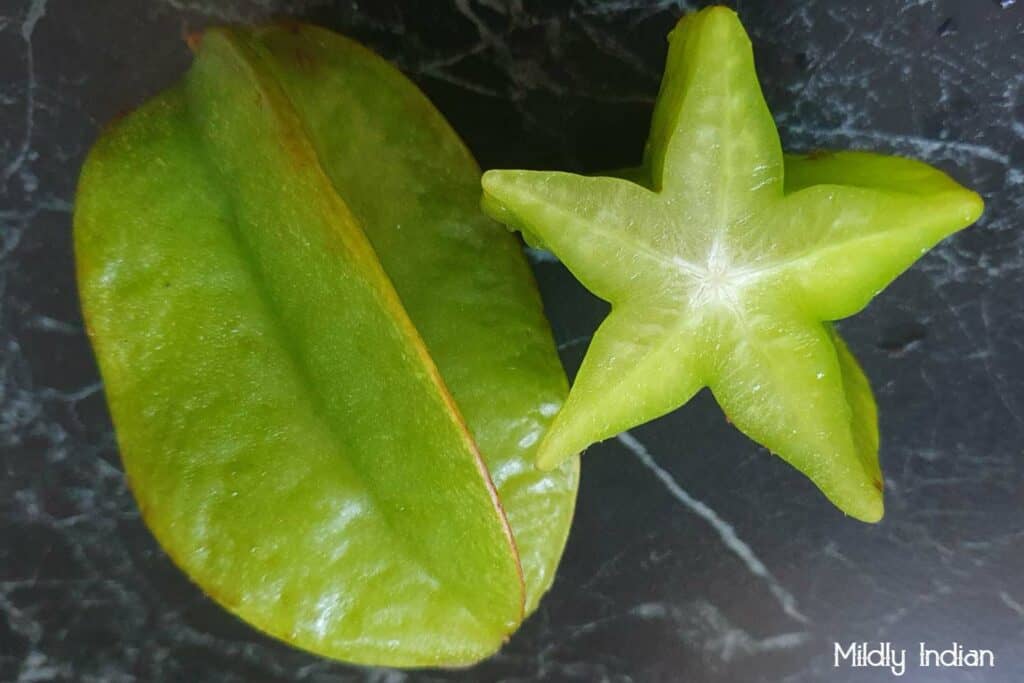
point(716, 279)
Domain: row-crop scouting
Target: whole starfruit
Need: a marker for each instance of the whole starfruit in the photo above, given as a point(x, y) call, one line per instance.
point(327, 369)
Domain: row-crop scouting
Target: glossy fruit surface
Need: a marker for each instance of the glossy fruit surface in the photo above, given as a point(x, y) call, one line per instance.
point(311, 341)
point(461, 278)
point(723, 261)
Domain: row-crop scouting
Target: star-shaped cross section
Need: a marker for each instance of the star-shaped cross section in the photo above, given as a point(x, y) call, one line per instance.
point(724, 260)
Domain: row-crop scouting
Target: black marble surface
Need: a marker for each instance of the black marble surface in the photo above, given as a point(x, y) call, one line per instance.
point(695, 556)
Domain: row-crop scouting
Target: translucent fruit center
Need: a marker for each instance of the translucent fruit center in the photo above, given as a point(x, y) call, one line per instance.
point(716, 280)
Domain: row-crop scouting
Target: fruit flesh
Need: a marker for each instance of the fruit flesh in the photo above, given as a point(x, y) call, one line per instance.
point(284, 428)
point(721, 271)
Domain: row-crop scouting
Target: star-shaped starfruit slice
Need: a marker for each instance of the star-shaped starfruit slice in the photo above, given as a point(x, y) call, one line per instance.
point(724, 262)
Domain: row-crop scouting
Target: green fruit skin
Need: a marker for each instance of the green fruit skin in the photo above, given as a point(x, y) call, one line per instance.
point(283, 426)
point(461, 276)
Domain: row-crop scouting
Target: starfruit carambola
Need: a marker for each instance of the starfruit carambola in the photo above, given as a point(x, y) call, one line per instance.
point(327, 369)
point(726, 262)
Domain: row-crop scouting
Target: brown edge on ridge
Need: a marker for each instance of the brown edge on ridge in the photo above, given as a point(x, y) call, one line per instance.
point(360, 244)
point(292, 26)
point(297, 27)
point(82, 267)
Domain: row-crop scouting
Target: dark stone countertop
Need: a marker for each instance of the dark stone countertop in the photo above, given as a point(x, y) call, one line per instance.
point(695, 556)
